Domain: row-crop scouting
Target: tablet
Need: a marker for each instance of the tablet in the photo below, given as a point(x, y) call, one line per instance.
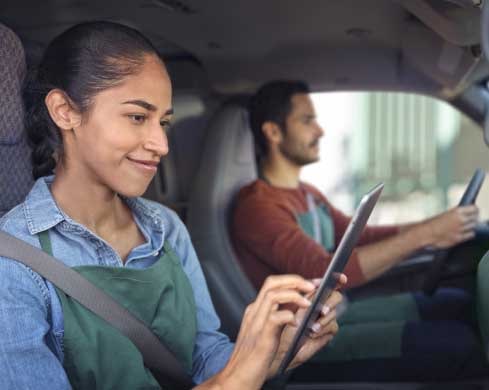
point(330, 278)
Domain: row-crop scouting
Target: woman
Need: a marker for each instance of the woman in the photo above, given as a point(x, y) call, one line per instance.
point(98, 109)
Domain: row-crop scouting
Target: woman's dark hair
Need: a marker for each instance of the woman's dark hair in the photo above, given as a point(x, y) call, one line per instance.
point(272, 102)
point(83, 61)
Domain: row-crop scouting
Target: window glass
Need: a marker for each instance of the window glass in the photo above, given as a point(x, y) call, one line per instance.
point(423, 149)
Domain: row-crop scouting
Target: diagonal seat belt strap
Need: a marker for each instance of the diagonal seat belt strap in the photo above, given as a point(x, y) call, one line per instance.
point(156, 356)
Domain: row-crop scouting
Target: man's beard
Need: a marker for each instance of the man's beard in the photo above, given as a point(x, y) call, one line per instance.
point(296, 154)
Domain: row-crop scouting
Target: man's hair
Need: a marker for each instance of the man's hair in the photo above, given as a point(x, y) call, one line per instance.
point(272, 102)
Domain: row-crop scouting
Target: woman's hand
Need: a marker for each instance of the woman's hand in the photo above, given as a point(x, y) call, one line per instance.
point(260, 333)
point(267, 330)
point(321, 333)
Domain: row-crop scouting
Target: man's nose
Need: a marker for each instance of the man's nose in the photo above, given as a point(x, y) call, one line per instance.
point(320, 130)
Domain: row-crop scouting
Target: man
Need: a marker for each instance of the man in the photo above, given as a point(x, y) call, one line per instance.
point(273, 220)
point(282, 225)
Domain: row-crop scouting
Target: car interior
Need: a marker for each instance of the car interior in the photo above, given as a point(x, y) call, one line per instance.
point(218, 53)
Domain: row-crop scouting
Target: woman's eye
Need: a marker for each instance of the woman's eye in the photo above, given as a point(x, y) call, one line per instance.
point(165, 125)
point(137, 118)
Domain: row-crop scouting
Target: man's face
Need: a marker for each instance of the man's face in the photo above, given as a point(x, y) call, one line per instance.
point(300, 143)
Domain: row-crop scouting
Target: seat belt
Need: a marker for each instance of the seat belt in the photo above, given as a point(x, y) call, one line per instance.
point(161, 361)
point(316, 224)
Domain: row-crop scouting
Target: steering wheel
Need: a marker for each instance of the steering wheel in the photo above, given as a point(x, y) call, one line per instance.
point(470, 195)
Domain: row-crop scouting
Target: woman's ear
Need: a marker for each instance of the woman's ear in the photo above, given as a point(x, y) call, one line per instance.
point(62, 110)
point(272, 132)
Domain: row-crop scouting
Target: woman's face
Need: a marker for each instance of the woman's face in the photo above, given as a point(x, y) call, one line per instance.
point(121, 139)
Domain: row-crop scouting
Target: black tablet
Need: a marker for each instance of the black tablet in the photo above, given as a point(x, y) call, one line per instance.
point(330, 278)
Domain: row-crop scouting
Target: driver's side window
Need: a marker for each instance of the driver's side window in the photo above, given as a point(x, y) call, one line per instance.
point(423, 149)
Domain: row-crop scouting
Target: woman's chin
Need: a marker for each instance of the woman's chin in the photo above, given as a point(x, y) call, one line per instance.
point(132, 190)
point(133, 193)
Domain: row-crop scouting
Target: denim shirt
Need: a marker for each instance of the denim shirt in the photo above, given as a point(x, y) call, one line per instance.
point(31, 318)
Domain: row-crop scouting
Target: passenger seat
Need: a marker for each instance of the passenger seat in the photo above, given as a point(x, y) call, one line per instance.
point(15, 167)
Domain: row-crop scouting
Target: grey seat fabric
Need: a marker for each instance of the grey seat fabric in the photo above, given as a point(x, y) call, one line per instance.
point(15, 167)
point(227, 164)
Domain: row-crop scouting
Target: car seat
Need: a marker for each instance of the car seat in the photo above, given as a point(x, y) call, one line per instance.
point(227, 164)
point(15, 172)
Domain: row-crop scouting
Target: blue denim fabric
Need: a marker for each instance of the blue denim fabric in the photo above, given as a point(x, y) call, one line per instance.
point(31, 318)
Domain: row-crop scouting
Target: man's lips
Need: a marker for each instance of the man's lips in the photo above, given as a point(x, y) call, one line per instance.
point(314, 143)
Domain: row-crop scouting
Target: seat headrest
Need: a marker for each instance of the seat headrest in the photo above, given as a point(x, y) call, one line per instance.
point(12, 73)
point(228, 160)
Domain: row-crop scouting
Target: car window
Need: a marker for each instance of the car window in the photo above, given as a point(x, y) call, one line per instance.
point(423, 149)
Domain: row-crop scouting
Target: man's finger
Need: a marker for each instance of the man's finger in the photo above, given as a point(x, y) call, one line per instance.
point(469, 227)
point(466, 236)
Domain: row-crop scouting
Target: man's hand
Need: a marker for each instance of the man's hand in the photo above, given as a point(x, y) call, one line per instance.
point(452, 227)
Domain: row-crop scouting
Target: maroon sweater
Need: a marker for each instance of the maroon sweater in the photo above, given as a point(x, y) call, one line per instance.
point(268, 240)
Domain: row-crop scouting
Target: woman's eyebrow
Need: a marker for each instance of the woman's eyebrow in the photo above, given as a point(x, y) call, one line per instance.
point(143, 104)
point(147, 106)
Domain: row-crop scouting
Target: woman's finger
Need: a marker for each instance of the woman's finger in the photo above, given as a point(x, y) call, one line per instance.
point(331, 328)
point(320, 326)
point(284, 282)
point(323, 320)
point(271, 302)
point(333, 300)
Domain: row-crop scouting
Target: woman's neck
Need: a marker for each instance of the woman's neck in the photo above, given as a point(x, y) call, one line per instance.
point(89, 203)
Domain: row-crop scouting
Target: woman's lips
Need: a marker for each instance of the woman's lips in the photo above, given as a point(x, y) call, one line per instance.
point(146, 165)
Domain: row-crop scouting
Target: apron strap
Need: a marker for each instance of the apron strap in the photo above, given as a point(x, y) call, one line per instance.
point(163, 364)
point(316, 224)
point(45, 242)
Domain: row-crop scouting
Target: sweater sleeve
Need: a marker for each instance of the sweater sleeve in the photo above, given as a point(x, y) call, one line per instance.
point(270, 232)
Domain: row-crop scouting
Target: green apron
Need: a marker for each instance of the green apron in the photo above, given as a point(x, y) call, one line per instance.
point(98, 356)
point(326, 226)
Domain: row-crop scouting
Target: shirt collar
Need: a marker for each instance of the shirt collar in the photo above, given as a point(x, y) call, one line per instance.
point(40, 209)
point(42, 212)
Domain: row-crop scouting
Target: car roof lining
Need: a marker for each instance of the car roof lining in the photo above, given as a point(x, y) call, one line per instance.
point(234, 46)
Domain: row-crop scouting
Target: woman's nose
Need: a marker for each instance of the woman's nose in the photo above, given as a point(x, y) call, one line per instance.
point(157, 142)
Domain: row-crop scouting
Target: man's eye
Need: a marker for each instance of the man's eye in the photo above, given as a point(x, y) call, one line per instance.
point(137, 118)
